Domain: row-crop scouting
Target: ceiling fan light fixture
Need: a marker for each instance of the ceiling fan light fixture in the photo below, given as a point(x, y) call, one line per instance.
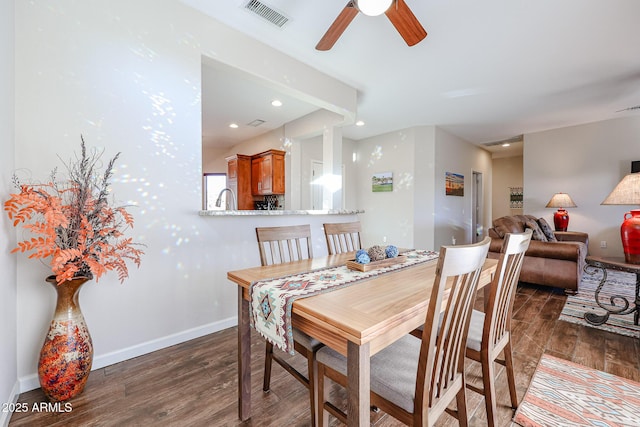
point(373, 7)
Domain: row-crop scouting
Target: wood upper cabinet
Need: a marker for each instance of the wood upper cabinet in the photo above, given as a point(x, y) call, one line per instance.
point(239, 180)
point(267, 173)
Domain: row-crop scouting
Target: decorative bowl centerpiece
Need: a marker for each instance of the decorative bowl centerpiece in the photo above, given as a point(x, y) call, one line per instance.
point(375, 257)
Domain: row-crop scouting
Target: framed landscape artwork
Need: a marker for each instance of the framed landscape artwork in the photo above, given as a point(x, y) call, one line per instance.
point(454, 184)
point(382, 182)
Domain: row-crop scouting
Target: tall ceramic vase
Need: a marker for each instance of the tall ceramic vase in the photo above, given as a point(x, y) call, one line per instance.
point(630, 234)
point(67, 353)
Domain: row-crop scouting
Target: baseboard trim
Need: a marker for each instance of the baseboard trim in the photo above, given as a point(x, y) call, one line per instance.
point(31, 382)
point(5, 417)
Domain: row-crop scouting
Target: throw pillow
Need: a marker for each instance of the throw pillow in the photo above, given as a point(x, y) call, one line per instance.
point(507, 224)
point(546, 229)
point(537, 232)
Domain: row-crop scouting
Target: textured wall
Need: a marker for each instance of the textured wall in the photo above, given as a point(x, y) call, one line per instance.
point(129, 80)
point(8, 302)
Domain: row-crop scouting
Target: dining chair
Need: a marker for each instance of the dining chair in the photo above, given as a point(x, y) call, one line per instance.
point(284, 244)
point(415, 379)
point(490, 331)
point(278, 245)
point(342, 237)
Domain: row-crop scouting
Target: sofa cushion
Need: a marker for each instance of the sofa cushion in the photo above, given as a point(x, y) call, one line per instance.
point(508, 224)
point(537, 232)
point(569, 251)
point(546, 229)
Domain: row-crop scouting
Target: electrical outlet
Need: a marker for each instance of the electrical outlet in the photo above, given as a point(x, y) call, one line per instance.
point(384, 239)
point(453, 240)
point(603, 243)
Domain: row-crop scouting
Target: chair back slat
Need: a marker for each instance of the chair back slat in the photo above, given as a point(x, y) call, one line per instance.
point(342, 237)
point(284, 244)
point(441, 366)
point(502, 292)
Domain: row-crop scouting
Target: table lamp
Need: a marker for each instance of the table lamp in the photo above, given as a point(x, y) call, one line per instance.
point(627, 192)
point(561, 216)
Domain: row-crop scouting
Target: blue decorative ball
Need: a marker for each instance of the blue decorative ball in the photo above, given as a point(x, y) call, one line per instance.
point(391, 251)
point(362, 257)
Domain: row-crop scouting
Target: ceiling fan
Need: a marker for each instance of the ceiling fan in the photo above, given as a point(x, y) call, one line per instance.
point(396, 10)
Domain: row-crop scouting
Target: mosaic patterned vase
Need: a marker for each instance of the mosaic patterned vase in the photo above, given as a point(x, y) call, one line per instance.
point(67, 353)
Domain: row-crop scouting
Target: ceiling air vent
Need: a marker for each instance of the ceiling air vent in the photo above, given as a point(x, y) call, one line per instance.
point(255, 123)
point(266, 12)
point(513, 140)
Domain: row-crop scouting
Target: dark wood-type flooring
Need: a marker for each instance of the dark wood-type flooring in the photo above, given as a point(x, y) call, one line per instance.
point(194, 383)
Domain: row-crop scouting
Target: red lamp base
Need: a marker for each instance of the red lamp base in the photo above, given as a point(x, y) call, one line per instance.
point(561, 220)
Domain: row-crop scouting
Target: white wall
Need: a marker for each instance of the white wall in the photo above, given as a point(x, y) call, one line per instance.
point(424, 165)
point(129, 81)
point(387, 214)
point(507, 172)
point(350, 179)
point(310, 149)
point(213, 160)
point(8, 302)
point(453, 214)
point(417, 213)
point(587, 162)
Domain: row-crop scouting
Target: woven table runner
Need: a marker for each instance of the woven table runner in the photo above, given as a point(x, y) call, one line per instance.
point(271, 300)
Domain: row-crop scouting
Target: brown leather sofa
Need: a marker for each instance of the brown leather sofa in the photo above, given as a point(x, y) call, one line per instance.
point(551, 263)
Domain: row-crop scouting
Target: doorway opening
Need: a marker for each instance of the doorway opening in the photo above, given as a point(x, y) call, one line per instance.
point(477, 228)
point(316, 186)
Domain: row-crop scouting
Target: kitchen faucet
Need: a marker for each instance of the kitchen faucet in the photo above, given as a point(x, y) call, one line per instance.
point(231, 205)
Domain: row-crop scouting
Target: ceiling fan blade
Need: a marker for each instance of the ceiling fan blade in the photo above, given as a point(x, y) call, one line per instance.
point(337, 28)
point(406, 22)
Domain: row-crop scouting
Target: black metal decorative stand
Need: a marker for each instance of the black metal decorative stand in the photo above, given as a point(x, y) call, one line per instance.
point(619, 303)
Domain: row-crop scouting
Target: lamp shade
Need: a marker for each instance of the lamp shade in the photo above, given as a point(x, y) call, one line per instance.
point(561, 216)
point(373, 7)
point(561, 200)
point(627, 192)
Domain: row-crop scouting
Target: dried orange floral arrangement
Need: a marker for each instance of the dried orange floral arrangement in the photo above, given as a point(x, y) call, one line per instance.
point(74, 223)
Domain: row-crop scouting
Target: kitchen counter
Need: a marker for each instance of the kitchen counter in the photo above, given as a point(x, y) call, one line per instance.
point(227, 213)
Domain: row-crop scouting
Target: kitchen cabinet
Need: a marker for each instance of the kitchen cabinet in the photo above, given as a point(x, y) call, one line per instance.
point(267, 173)
point(239, 180)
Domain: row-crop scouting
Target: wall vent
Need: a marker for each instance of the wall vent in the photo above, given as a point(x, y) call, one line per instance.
point(513, 140)
point(256, 123)
point(266, 12)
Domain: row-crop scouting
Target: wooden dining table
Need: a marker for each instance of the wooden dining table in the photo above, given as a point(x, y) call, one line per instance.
point(357, 321)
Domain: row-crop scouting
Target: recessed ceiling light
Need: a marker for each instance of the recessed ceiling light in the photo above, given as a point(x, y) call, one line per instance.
point(233, 125)
point(276, 103)
point(359, 123)
point(506, 144)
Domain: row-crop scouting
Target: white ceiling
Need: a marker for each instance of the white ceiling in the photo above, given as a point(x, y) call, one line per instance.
point(488, 70)
point(232, 96)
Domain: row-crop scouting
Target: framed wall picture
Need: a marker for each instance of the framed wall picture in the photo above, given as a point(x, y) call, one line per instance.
point(515, 197)
point(454, 184)
point(382, 182)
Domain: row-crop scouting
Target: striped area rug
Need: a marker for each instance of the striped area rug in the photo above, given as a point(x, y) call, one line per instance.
point(565, 394)
point(618, 283)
